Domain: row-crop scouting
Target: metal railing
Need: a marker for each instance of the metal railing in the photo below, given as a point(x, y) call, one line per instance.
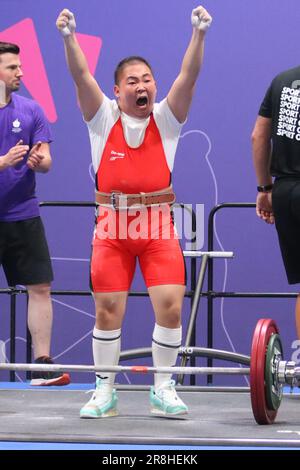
point(14, 291)
point(195, 293)
point(211, 294)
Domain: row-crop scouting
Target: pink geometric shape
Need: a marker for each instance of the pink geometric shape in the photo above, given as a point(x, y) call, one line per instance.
point(91, 46)
point(35, 77)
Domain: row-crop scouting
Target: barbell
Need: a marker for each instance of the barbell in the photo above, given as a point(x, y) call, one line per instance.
point(268, 372)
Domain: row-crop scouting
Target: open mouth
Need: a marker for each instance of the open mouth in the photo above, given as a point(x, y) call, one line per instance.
point(142, 101)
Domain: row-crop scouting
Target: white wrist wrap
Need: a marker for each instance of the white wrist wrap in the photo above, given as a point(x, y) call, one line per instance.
point(200, 20)
point(70, 28)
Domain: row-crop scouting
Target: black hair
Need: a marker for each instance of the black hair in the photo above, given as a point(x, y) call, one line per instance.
point(129, 60)
point(7, 47)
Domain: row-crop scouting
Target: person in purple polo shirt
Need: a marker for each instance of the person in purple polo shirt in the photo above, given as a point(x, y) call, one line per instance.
point(24, 254)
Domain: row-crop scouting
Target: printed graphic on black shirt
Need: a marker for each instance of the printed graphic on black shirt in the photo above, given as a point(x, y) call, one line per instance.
point(288, 119)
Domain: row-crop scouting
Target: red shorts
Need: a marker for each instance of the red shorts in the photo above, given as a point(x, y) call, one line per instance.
point(123, 237)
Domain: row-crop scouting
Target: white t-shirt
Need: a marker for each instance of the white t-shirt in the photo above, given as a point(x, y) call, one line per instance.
point(134, 129)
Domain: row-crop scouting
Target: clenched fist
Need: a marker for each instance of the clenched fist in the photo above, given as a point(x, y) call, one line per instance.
point(201, 19)
point(66, 23)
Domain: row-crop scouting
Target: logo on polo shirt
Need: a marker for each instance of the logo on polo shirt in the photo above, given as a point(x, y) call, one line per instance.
point(16, 126)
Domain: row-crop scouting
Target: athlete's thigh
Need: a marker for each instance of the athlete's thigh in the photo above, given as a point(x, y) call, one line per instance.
point(162, 262)
point(112, 266)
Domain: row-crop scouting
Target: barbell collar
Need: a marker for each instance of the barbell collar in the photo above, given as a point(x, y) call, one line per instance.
point(288, 373)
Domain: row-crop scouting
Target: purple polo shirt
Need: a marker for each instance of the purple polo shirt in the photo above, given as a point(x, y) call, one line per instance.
point(22, 119)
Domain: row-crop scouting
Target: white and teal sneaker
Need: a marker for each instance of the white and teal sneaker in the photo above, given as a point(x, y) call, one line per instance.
point(165, 401)
point(103, 403)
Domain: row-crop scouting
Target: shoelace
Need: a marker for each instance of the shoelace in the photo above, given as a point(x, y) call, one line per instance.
point(94, 390)
point(167, 390)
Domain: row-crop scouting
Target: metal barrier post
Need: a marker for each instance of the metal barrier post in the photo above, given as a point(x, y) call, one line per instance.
point(12, 345)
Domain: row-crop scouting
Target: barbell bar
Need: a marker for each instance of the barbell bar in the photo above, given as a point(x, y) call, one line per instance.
point(268, 372)
point(134, 369)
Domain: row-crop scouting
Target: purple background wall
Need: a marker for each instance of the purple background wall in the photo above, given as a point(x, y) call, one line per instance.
point(249, 42)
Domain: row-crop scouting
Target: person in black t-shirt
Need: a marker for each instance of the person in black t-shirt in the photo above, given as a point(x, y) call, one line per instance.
point(276, 154)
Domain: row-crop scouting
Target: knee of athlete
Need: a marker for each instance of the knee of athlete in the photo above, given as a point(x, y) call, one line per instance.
point(172, 315)
point(39, 291)
point(107, 318)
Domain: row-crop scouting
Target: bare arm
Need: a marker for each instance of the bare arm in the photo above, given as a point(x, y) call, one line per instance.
point(39, 159)
point(181, 93)
point(90, 96)
point(261, 148)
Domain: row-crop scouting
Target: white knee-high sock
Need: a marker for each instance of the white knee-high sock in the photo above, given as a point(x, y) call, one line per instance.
point(106, 351)
point(165, 346)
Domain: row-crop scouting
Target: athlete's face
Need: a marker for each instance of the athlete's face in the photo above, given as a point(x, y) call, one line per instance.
point(10, 72)
point(136, 90)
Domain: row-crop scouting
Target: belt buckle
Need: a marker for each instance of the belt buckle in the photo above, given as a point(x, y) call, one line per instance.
point(117, 200)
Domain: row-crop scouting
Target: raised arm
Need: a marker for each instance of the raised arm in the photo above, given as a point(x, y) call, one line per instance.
point(89, 94)
point(182, 90)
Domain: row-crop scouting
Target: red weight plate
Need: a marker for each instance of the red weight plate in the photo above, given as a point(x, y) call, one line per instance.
point(264, 329)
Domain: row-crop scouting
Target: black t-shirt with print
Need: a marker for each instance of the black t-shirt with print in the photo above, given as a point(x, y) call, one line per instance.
point(282, 104)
